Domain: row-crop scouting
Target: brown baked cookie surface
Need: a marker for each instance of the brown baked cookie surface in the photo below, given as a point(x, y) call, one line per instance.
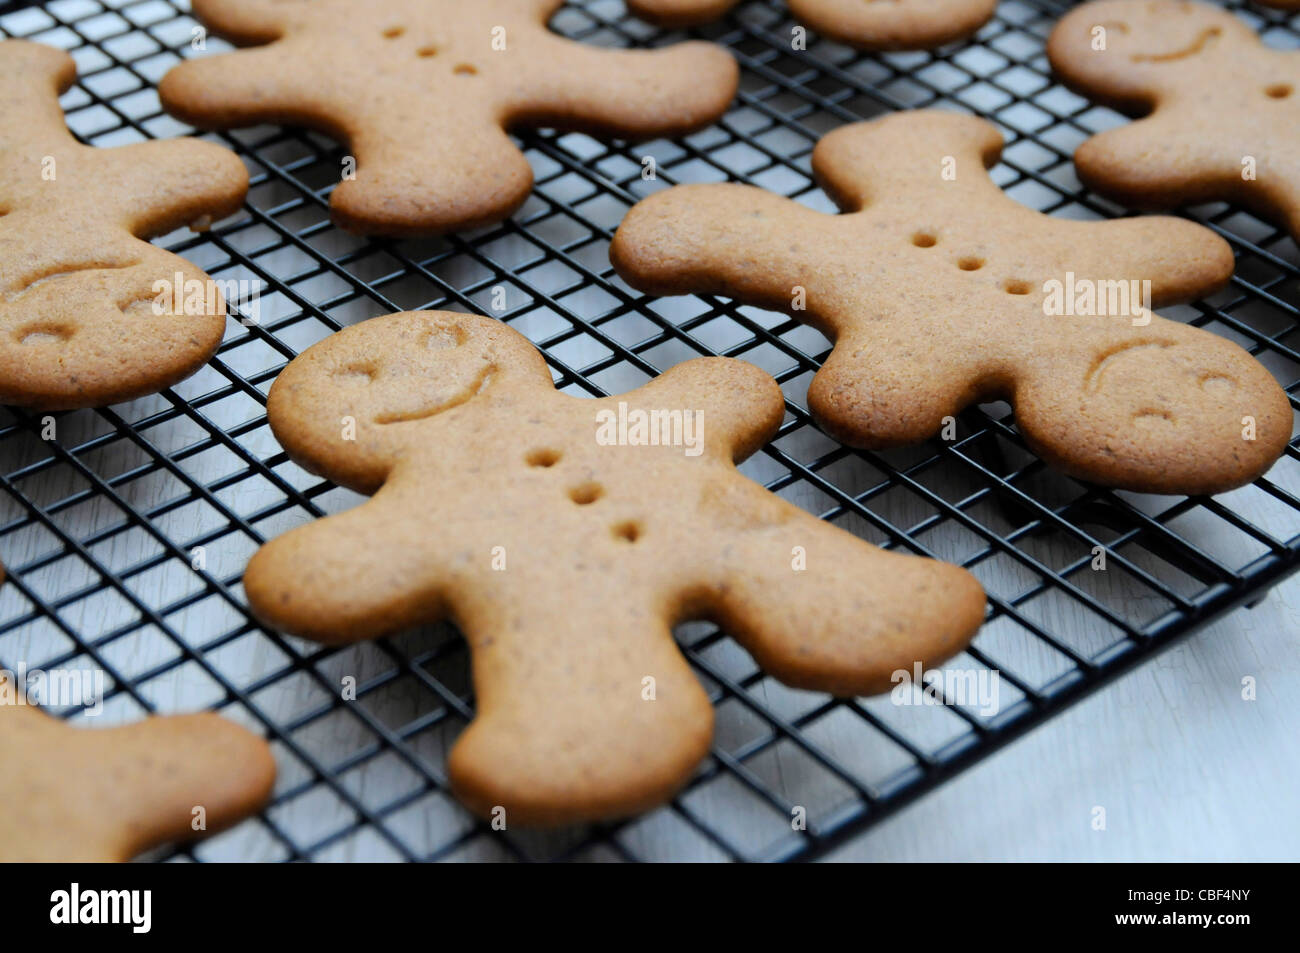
point(83, 320)
point(565, 545)
point(423, 90)
point(865, 24)
point(103, 795)
point(1222, 111)
point(939, 291)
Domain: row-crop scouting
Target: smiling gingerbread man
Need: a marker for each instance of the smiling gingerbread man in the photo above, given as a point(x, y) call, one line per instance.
point(1221, 110)
point(566, 545)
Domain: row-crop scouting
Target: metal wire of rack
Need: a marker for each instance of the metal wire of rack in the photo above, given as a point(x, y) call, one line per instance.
point(126, 536)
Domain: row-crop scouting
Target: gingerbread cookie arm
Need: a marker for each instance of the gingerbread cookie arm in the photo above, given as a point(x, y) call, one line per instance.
point(545, 677)
point(162, 186)
point(102, 795)
point(734, 240)
point(403, 188)
point(1182, 260)
point(245, 88)
point(1145, 165)
point(636, 94)
point(352, 576)
point(740, 406)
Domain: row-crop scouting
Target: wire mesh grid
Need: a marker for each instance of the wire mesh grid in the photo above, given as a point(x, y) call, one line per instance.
point(127, 535)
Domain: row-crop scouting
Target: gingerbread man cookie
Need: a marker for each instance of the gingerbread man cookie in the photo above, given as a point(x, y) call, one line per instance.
point(102, 795)
point(865, 24)
point(90, 312)
point(939, 291)
point(565, 537)
point(422, 91)
point(1224, 110)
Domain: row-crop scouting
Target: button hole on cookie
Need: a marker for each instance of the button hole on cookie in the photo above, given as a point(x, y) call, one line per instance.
point(393, 32)
point(1279, 90)
point(629, 531)
point(586, 493)
point(1015, 287)
point(924, 240)
point(971, 263)
point(544, 457)
point(367, 370)
point(425, 52)
point(465, 69)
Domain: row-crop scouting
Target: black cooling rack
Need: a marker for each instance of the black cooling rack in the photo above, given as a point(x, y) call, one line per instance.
point(126, 536)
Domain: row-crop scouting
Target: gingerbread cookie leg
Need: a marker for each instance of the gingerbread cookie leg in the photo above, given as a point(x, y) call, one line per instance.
point(208, 94)
point(531, 747)
point(722, 239)
point(923, 617)
point(101, 795)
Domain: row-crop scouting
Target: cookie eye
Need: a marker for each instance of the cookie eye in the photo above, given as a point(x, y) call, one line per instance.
point(1278, 91)
point(1217, 384)
point(45, 333)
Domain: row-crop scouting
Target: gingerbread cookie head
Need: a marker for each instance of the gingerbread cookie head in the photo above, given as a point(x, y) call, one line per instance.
point(939, 291)
point(565, 537)
point(103, 795)
point(90, 312)
point(865, 24)
point(1224, 110)
point(423, 90)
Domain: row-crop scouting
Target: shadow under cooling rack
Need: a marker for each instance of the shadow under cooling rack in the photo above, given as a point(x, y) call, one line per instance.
point(100, 528)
